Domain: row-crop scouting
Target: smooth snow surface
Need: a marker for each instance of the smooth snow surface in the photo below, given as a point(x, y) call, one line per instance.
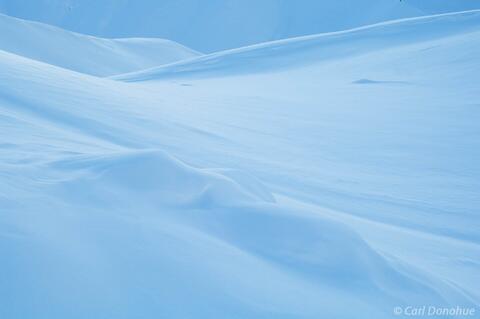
point(86, 54)
point(212, 25)
point(331, 176)
point(303, 51)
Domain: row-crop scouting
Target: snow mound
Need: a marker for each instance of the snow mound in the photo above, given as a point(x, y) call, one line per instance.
point(218, 224)
point(162, 178)
point(284, 54)
point(86, 54)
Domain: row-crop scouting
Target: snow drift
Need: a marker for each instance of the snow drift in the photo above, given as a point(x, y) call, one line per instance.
point(86, 54)
point(155, 174)
point(215, 25)
point(284, 54)
point(341, 187)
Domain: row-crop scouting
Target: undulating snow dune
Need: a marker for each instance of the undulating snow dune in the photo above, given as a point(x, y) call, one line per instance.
point(216, 25)
point(86, 54)
point(293, 179)
point(303, 51)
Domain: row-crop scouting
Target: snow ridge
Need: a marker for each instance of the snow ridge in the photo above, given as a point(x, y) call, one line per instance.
point(86, 54)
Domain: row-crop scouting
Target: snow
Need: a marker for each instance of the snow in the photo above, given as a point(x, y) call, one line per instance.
point(214, 25)
point(284, 54)
point(86, 54)
point(331, 176)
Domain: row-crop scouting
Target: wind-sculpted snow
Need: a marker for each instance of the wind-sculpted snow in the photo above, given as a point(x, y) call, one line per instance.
point(213, 25)
point(303, 51)
point(110, 228)
point(305, 185)
point(86, 54)
point(161, 178)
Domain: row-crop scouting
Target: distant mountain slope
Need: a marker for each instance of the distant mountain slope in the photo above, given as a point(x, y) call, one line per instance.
point(86, 54)
point(212, 25)
point(278, 55)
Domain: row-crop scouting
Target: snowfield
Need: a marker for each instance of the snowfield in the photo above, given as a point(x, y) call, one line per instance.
point(328, 176)
point(214, 25)
point(86, 54)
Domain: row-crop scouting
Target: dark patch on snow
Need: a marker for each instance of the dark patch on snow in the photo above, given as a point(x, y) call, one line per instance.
point(368, 81)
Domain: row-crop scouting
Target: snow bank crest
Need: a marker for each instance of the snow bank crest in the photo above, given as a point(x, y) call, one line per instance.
point(162, 178)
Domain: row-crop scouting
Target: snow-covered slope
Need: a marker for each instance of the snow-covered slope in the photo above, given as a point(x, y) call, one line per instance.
point(218, 24)
point(86, 54)
point(443, 44)
point(302, 51)
point(337, 188)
